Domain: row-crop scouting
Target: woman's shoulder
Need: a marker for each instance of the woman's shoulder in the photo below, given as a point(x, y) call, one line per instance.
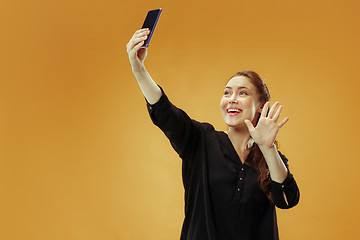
point(209, 129)
point(205, 126)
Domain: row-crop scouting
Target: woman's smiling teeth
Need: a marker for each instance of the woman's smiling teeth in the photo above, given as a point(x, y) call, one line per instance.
point(234, 110)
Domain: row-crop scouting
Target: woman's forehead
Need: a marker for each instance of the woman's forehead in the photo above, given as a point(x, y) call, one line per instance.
point(240, 81)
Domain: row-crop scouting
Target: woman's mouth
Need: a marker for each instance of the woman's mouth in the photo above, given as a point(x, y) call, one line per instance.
point(233, 111)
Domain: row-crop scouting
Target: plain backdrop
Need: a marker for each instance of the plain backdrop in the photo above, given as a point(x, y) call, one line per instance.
point(79, 156)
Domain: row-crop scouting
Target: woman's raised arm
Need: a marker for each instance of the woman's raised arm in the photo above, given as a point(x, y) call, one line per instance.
point(137, 56)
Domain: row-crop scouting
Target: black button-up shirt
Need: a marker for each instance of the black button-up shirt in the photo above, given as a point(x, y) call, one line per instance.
point(223, 199)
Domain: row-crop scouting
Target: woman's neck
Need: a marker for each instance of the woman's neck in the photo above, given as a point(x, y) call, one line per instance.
point(240, 138)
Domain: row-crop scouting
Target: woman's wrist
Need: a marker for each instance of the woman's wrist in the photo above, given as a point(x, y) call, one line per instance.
point(268, 152)
point(266, 149)
point(139, 70)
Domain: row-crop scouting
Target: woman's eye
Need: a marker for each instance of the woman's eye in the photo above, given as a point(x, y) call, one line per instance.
point(243, 93)
point(226, 93)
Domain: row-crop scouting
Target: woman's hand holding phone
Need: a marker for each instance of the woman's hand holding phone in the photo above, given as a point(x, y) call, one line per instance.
point(136, 52)
point(137, 45)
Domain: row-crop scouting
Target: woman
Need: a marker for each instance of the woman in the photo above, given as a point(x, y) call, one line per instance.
point(233, 180)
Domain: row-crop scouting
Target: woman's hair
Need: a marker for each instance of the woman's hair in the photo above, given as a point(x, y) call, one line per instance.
point(258, 161)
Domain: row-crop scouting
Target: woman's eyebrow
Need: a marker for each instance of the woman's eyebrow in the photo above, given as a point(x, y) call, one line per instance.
point(237, 88)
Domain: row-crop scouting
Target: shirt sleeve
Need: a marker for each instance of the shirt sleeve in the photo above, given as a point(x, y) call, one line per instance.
point(182, 131)
point(286, 194)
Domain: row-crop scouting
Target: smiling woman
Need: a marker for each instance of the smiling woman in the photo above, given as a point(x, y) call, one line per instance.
point(233, 180)
point(247, 90)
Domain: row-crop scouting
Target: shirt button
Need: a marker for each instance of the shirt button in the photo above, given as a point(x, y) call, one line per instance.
point(240, 179)
point(150, 107)
point(238, 189)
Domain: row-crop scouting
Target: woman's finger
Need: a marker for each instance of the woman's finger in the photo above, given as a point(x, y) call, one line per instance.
point(141, 30)
point(140, 35)
point(137, 40)
point(134, 51)
point(277, 114)
point(138, 46)
point(273, 109)
point(282, 123)
point(134, 46)
point(249, 125)
point(134, 41)
point(265, 109)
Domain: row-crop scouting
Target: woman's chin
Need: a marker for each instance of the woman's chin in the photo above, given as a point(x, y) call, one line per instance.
point(236, 125)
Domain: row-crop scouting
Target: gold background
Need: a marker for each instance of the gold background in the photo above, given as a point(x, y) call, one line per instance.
point(79, 156)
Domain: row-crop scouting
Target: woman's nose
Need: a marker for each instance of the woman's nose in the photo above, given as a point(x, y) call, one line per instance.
point(233, 99)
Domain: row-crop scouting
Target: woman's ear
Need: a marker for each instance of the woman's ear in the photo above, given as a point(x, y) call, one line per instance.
point(261, 107)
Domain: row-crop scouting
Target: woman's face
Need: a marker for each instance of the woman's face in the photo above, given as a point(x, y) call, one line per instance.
point(240, 102)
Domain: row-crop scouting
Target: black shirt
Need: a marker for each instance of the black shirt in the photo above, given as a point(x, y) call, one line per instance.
point(223, 199)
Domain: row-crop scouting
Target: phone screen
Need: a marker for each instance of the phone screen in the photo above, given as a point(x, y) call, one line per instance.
point(150, 22)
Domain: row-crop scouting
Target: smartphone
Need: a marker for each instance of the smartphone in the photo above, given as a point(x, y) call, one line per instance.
point(150, 22)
